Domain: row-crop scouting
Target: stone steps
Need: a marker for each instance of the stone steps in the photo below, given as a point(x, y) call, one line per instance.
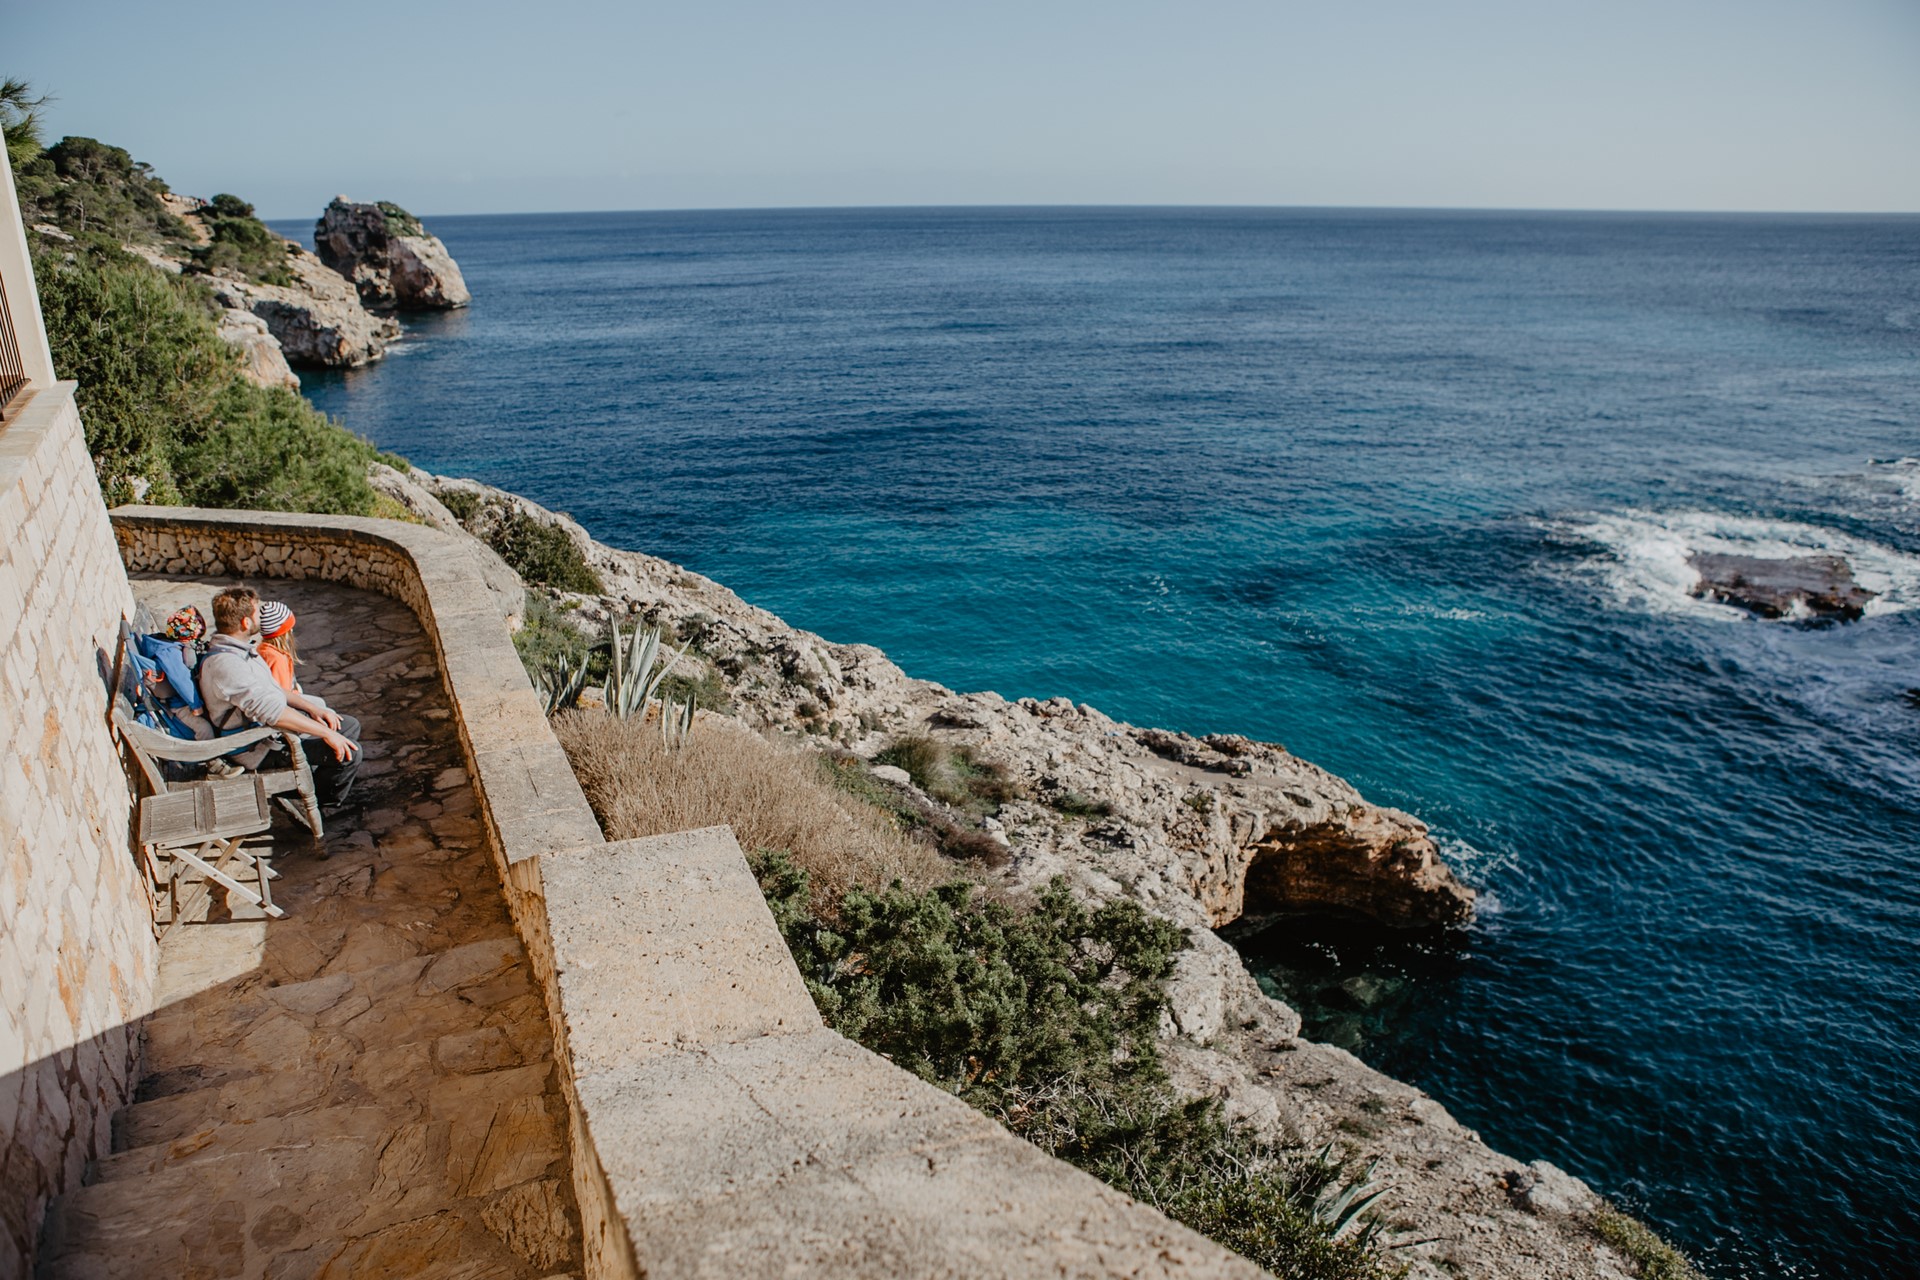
point(333, 1205)
point(391, 1119)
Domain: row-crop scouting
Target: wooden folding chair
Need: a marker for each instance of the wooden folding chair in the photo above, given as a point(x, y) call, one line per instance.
point(192, 834)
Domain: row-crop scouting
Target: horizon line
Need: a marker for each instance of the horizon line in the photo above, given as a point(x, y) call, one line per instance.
point(1143, 207)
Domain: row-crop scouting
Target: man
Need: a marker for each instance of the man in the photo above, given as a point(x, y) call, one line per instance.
point(239, 690)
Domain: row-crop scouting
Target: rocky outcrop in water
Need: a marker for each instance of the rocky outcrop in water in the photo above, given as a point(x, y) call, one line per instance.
point(1809, 587)
point(389, 257)
point(1200, 831)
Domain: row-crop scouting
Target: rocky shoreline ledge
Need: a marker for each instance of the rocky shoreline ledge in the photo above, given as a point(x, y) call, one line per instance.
point(1200, 831)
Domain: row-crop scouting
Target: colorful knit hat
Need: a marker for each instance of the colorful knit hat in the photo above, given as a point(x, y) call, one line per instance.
point(186, 625)
point(275, 619)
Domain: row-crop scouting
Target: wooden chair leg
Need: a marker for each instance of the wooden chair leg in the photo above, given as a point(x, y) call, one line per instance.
point(217, 873)
point(303, 783)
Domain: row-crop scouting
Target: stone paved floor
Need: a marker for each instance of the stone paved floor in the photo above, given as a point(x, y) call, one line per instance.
point(366, 1087)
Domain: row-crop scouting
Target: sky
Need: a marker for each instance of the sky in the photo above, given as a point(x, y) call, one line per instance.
point(483, 107)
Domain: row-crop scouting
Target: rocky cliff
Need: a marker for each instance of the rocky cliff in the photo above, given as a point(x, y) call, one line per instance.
point(318, 319)
point(332, 313)
point(1201, 831)
point(389, 257)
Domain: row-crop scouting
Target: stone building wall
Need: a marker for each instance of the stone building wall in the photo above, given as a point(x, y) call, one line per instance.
point(77, 955)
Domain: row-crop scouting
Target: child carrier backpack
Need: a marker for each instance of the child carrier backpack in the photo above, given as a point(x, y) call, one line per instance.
point(166, 692)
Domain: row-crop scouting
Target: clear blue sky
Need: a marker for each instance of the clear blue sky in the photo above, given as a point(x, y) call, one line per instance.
point(481, 106)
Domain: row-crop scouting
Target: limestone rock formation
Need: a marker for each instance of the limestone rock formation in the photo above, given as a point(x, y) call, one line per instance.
point(318, 320)
point(1801, 587)
point(389, 257)
point(262, 362)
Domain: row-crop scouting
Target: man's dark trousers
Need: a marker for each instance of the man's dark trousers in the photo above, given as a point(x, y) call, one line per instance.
point(332, 778)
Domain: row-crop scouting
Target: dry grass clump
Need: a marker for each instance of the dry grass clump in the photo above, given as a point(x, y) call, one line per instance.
point(773, 796)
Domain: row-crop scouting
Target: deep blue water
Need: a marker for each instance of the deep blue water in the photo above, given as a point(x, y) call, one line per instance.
point(1409, 492)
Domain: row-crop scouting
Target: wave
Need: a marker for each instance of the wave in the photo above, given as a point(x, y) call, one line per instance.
point(1645, 561)
point(1904, 473)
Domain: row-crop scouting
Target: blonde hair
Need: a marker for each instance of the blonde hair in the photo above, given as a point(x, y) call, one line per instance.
point(284, 643)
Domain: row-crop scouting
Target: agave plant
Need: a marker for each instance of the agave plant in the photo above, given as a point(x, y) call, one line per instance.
point(1339, 1206)
point(676, 723)
point(632, 676)
point(560, 682)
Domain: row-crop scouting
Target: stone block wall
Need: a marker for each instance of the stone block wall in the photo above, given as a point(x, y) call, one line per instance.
point(77, 955)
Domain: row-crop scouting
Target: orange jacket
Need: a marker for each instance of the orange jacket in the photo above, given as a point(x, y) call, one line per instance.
point(280, 664)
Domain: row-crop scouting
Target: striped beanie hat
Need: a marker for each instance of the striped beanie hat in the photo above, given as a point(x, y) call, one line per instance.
point(275, 618)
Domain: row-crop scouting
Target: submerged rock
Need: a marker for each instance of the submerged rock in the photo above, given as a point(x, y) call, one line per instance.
point(389, 257)
point(1800, 587)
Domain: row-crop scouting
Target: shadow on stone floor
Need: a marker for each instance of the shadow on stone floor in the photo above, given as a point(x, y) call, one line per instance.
point(365, 1087)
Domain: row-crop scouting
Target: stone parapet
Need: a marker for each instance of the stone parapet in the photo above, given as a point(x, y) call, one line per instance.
point(718, 1128)
point(77, 955)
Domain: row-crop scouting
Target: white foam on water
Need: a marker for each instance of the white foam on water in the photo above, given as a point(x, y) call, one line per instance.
point(1472, 864)
point(1644, 565)
point(1905, 474)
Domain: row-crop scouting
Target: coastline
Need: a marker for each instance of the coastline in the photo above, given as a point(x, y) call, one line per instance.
point(1199, 831)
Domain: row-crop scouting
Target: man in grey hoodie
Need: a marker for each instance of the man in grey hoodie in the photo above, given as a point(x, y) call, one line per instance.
point(240, 691)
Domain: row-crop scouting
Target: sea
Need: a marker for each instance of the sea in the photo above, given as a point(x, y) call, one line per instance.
point(1410, 492)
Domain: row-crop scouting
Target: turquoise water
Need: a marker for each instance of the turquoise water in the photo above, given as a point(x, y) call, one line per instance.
point(1408, 492)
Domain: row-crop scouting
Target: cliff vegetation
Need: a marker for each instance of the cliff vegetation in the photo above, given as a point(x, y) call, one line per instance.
point(169, 418)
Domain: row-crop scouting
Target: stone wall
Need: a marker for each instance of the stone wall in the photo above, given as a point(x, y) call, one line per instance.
point(77, 955)
point(718, 1128)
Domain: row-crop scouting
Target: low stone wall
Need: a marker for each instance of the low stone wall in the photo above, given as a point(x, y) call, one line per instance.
point(718, 1128)
point(77, 956)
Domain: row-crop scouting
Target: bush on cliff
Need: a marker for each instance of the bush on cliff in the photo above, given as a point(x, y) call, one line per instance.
point(542, 553)
point(241, 242)
point(1046, 1017)
point(168, 417)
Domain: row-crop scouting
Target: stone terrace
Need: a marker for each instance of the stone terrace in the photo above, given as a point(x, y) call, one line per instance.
point(367, 1086)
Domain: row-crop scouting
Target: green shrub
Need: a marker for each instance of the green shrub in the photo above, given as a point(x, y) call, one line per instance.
point(955, 775)
point(1075, 805)
point(1637, 1242)
point(464, 504)
point(543, 554)
point(1046, 1017)
point(241, 242)
point(545, 638)
point(95, 191)
point(706, 691)
point(977, 997)
point(399, 221)
point(165, 408)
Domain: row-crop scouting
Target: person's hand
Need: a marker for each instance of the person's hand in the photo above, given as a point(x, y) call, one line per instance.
point(342, 748)
point(328, 717)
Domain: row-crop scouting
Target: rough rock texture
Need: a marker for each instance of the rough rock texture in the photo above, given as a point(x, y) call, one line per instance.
point(392, 270)
point(262, 362)
point(318, 320)
point(1801, 587)
point(1200, 831)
